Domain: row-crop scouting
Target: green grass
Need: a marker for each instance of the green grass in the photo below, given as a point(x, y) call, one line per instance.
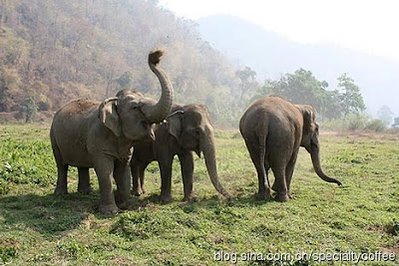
point(37, 228)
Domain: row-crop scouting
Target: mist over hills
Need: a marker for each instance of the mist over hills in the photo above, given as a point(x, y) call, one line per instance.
point(272, 55)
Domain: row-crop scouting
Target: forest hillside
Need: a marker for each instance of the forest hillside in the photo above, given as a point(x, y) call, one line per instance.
point(52, 51)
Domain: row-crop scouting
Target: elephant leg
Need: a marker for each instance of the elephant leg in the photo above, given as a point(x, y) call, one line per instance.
point(141, 175)
point(84, 180)
point(165, 164)
point(123, 183)
point(187, 170)
point(62, 182)
point(104, 168)
point(137, 171)
point(289, 171)
point(257, 154)
point(280, 182)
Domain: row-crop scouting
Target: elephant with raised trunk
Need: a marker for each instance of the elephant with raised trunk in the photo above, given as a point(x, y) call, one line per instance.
point(273, 130)
point(90, 134)
point(186, 129)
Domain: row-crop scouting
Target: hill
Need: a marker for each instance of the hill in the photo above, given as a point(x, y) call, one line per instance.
point(241, 41)
point(53, 51)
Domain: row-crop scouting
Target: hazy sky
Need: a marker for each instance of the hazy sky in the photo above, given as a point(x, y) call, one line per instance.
point(364, 25)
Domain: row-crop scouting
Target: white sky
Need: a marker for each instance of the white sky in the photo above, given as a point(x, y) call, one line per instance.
point(370, 26)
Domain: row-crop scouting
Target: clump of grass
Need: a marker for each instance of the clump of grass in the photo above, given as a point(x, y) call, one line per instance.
point(8, 249)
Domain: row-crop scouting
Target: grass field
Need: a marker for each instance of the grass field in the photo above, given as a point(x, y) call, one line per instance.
point(361, 216)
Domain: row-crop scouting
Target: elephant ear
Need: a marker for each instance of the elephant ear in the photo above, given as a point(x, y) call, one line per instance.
point(109, 116)
point(309, 117)
point(174, 123)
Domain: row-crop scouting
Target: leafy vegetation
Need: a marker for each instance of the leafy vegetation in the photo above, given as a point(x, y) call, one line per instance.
point(302, 87)
point(37, 228)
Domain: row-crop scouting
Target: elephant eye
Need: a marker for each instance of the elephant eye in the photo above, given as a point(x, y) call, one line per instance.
point(134, 107)
point(197, 131)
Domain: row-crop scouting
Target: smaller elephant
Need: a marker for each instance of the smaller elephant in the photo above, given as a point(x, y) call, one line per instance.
point(273, 130)
point(186, 129)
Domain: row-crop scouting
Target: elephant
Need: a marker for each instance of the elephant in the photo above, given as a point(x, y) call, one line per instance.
point(89, 134)
point(273, 130)
point(186, 129)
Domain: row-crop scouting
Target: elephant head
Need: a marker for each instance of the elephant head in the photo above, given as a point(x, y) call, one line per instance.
point(310, 140)
point(191, 127)
point(130, 114)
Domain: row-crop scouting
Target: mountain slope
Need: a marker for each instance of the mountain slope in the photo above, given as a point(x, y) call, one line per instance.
point(241, 40)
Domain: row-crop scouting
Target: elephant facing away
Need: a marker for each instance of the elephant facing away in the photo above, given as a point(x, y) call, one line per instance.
point(273, 130)
point(187, 129)
point(90, 134)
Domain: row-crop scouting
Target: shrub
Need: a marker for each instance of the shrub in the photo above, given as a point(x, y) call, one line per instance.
point(376, 125)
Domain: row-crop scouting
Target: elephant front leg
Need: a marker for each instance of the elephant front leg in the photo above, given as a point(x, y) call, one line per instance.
point(137, 170)
point(123, 184)
point(104, 168)
point(62, 182)
point(187, 170)
point(165, 165)
point(84, 180)
point(289, 171)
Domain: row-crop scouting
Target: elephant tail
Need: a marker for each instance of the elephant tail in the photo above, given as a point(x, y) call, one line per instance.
point(262, 133)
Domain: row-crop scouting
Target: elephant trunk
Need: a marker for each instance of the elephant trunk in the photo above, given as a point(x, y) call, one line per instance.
point(207, 146)
point(158, 112)
point(315, 155)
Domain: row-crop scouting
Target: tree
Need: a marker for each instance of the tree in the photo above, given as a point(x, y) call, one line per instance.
point(29, 109)
point(302, 87)
point(396, 122)
point(385, 114)
point(351, 100)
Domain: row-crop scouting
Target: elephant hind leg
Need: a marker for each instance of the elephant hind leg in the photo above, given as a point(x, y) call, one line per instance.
point(280, 184)
point(62, 182)
point(62, 171)
point(138, 172)
point(84, 180)
point(257, 153)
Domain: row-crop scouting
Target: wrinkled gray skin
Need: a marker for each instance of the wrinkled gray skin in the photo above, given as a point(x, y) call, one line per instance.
point(89, 134)
point(273, 130)
point(187, 129)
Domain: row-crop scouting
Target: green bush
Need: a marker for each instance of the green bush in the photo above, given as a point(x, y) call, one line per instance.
point(376, 125)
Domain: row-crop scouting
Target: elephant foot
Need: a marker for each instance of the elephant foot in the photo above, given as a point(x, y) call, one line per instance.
point(60, 191)
point(110, 209)
point(125, 205)
point(137, 192)
point(190, 198)
point(84, 190)
point(166, 199)
point(263, 195)
point(119, 197)
point(282, 197)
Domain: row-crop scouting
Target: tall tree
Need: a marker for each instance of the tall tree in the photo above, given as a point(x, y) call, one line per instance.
point(385, 114)
point(350, 97)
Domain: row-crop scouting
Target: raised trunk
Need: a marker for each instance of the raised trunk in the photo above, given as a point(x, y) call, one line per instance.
point(207, 146)
point(314, 154)
point(158, 112)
